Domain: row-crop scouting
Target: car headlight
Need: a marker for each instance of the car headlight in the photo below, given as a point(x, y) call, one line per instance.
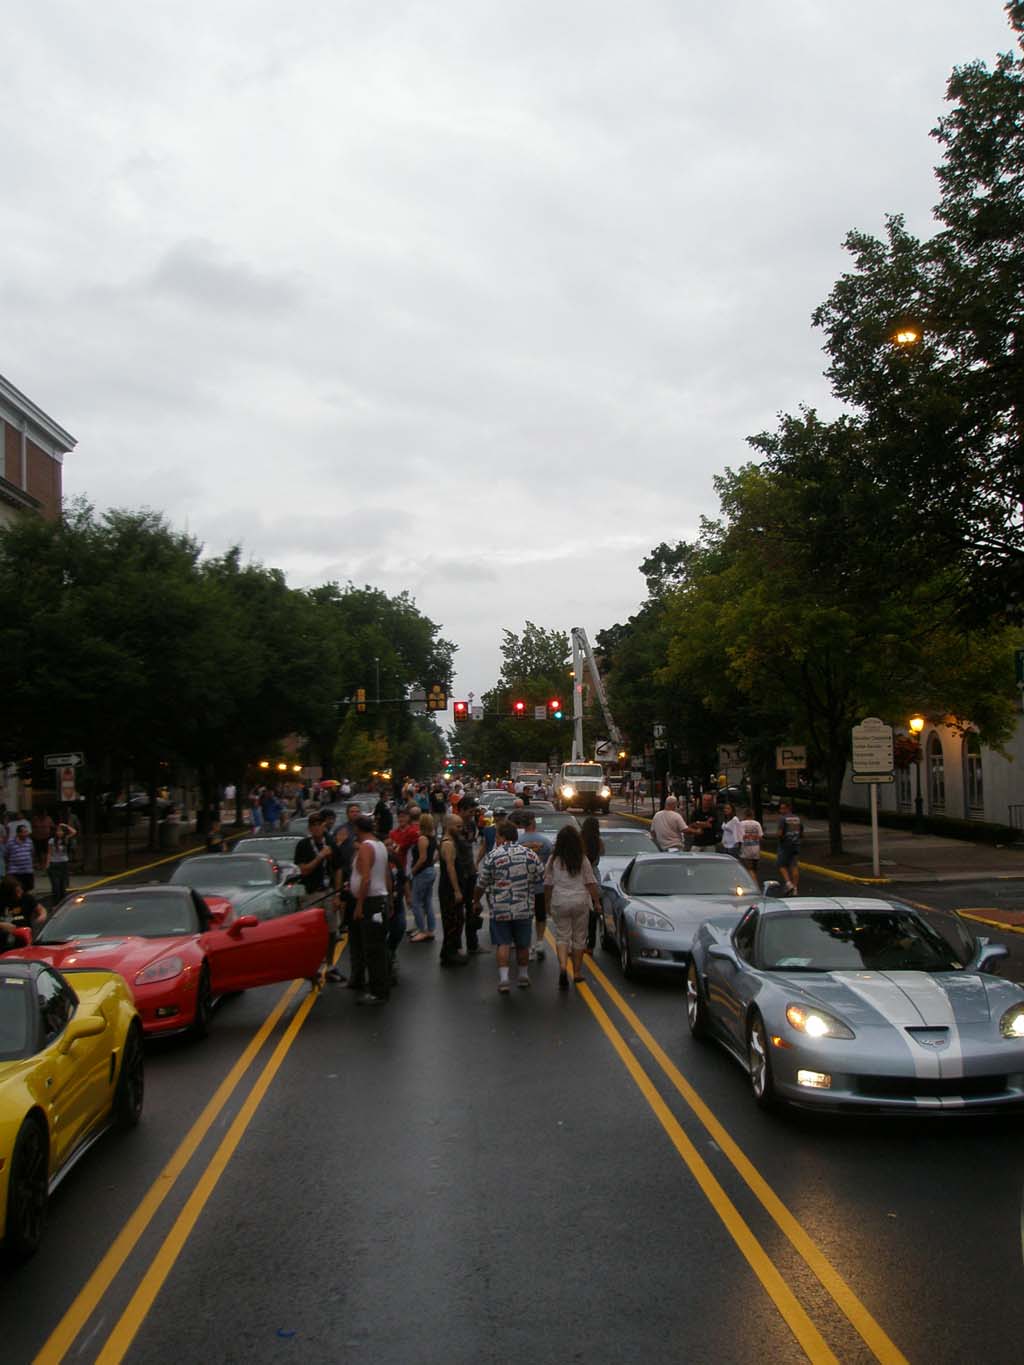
point(649, 919)
point(605, 793)
point(163, 970)
point(816, 1023)
point(568, 791)
point(1012, 1023)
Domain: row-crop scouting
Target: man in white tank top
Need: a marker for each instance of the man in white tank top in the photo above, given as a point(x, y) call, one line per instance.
point(370, 885)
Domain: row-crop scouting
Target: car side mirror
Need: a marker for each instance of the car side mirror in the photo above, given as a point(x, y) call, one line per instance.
point(773, 890)
point(989, 952)
point(243, 922)
point(723, 952)
point(89, 1026)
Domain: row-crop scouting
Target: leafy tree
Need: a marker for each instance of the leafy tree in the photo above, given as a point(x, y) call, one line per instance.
point(786, 623)
point(944, 419)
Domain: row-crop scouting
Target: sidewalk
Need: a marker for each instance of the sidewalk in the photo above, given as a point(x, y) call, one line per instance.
point(904, 857)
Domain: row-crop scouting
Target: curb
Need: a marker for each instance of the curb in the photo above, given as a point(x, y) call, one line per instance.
point(146, 867)
point(806, 867)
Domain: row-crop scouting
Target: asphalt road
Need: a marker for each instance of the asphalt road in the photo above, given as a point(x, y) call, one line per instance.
point(465, 1177)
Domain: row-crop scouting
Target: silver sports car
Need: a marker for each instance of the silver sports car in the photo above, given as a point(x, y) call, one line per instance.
point(860, 1004)
point(653, 909)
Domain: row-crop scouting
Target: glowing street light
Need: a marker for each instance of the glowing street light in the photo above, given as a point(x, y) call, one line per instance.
point(917, 724)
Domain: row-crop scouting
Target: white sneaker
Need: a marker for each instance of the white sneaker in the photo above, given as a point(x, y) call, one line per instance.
point(538, 951)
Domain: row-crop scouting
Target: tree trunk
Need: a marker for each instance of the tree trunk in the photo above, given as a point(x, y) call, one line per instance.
point(836, 771)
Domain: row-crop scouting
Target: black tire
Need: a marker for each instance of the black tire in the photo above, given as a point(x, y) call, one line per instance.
point(625, 954)
point(27, 1191)
point(696, 1004)
point(131, 1083)
point(204, 1005)
point(759, 1062)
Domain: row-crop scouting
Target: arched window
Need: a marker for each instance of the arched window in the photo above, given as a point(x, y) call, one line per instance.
point(936, 774)
point(974, 784)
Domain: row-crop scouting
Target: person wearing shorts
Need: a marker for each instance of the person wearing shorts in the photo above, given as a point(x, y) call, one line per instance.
point(751, 835)
point(570, 889)
point(787, 857)
point(510, 876)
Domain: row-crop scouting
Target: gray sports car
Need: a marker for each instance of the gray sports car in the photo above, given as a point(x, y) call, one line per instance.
point(652, 910)
point(862, 1004)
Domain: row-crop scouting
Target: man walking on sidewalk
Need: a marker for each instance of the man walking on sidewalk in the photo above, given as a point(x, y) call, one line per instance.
point(512, 876)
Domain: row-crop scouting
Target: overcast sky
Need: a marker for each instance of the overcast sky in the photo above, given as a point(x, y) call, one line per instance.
point(471, 298)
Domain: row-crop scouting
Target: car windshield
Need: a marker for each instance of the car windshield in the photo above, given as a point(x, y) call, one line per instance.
point(845, 940)
point(683, 877)
point(620, 843)
point(15, 1014)
point(282, 850)
point(551, 821)
point(218, 872)
point(577, 770)
point(151, 914)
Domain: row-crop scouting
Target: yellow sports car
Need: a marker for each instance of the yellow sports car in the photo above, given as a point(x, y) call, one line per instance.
point(71, 1065)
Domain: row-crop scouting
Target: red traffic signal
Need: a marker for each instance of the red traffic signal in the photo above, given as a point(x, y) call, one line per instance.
point(461, 710)
point(519, 708)
point(554, 704)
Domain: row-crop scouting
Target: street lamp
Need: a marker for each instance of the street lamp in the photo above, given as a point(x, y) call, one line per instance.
point(916, 726)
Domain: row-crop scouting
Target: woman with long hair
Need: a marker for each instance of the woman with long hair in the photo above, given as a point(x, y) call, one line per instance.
point(422, 875)
point(570, 889)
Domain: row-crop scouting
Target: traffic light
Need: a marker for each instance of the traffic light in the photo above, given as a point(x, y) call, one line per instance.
point(461, 710)
point(519, 709)
point(555, 709)
point(360, 699)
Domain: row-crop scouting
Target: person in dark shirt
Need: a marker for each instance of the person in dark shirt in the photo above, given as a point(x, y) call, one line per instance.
point(705, 828)
point(315, 858)
point(19, 908)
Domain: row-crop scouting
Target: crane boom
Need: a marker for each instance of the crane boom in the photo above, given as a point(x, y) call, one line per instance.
point(581, 652)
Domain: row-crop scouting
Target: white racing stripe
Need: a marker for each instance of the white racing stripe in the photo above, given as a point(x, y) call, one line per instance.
point(936, 1010)
point(897, 1008)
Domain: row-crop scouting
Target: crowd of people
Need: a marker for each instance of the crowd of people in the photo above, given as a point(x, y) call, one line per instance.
point(30, 845)
point(723, 829)
point(370, 871)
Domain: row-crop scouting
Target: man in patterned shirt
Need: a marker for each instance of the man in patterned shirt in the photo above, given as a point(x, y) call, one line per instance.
point(512, 875)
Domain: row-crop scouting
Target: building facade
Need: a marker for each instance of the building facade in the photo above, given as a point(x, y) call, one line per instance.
point(960, 779)
point(32, 450)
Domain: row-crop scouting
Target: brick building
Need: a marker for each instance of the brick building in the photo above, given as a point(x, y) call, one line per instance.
point(32, 450)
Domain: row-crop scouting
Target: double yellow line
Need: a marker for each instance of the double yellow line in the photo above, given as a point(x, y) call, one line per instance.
point(64, 1335)
point(797, 1319)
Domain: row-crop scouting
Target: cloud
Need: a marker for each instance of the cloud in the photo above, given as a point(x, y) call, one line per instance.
point(198, 274)
point(472, 299)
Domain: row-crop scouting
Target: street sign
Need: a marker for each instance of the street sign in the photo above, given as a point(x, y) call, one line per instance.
point(66, 784)
point(791, 756)
point(476, 712)
point(540, 713)
point(872, 750)
point(730, 756)
point(418, 701)
point(864, 778)
point(659, 730)
point(72, 760)
point(792, 777)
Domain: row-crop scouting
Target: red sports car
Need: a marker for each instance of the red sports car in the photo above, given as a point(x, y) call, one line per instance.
point(177, 953)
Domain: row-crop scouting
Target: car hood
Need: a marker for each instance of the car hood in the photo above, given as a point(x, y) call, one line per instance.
point(904, 999)
point(687, 912)
point(127, 955)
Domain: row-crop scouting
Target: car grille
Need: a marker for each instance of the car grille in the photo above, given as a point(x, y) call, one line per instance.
point(914, 1087)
